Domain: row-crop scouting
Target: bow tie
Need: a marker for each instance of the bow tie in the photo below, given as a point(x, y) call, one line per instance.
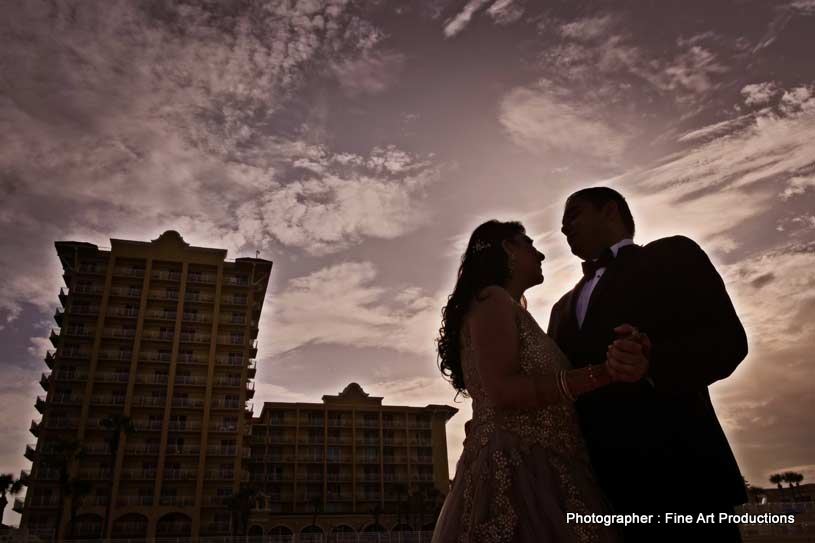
point(591, 267)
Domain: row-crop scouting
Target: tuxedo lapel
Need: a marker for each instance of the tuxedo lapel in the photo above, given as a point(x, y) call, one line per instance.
point(610, 285)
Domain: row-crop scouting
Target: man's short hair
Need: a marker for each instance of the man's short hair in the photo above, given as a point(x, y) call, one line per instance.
point(600, 196)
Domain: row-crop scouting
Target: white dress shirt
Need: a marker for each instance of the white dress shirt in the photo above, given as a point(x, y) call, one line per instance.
point(588, 286)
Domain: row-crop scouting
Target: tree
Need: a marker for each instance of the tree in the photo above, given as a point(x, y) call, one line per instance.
point(8, 485)
point(66, 453)
point(777, 479)
point(76, 489)
point(317, 508)
point(116, 425)
point(241, 505)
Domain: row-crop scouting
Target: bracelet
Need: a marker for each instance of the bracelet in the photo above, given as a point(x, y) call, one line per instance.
point(564, 386)
point(592, 377)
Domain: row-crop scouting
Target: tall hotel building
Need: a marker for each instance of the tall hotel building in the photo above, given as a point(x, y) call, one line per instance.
point(348, 469)
point(162, 333)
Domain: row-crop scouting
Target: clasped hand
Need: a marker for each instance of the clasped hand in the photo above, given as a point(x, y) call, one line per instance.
point(627, 358)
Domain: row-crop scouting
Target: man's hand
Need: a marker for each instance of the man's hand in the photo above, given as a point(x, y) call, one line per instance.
point(627, 357)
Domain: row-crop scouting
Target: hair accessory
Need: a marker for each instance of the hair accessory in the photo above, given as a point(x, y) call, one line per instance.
point(479, 246)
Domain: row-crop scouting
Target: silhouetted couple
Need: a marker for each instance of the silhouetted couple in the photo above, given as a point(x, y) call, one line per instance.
point(608, 412)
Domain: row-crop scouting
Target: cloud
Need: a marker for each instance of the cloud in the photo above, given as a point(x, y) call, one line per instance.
point(348, 198)
point(371, 73)
point(342, 305)
point(798, 185)
point(541, 119)
point(588, 29)
point(505, 11)
point(759, 94)
point(459, 22)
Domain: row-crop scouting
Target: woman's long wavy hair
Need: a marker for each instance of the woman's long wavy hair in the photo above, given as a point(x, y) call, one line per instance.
point(483, 264)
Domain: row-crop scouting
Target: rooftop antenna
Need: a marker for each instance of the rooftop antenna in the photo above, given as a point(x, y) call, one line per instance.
point(257, 254)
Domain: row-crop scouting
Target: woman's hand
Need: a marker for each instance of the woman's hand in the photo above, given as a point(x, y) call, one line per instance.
point(627, 358)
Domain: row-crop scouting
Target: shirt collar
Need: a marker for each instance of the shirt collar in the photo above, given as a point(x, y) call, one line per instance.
point(620, 244)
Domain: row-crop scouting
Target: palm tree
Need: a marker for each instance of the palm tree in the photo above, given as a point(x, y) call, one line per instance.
point(67, 452)
point(241, 505)
point(77, 490)
point(8, 485)
point(116, 425)
point(401, 491)
point(777, 479)
point(316, 508)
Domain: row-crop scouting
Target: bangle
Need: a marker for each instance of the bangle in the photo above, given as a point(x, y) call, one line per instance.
point(565, 386)
point(592, 377)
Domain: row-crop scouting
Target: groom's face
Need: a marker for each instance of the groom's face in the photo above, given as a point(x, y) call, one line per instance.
point(585, 228)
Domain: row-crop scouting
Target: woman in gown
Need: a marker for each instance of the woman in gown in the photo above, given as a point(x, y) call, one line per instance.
point(524, 464)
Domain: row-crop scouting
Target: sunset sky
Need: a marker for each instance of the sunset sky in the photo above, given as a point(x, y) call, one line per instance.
point(358, 144)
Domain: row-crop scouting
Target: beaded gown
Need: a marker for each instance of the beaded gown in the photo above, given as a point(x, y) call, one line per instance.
point(521, 470)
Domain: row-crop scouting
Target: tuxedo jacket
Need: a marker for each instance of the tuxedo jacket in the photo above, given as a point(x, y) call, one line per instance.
point(657, 443)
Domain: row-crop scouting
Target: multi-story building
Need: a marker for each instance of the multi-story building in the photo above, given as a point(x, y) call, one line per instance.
point(347, 465)
point(164, 334)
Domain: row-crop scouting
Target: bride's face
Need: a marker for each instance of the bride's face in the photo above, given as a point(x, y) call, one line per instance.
point(527, 265)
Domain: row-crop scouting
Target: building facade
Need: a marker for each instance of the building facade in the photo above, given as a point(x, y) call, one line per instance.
point(145, 423)
point(346, 466)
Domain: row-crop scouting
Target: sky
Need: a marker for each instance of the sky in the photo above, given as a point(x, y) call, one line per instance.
point(357, 145)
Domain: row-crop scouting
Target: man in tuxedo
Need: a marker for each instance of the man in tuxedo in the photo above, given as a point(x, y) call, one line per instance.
point(656, 444)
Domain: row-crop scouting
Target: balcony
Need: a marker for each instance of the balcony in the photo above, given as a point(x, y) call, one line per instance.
point(181, 426)
point(139, 474)
point(128, 271)
point(233, 361)
point(222, 451)
point(215, 501)
point(63, 298)
point(198, 297)
point(192, 380)
point(58, 317)
point(225, 404)
point(218, 475)
point(40, 405)
point(122, 356)
point(180, 474)
point(147, 425)
point(18, 505)
point(236, 280)
point(197, 317)
point(194, 338)
point(142, 449)
point(96, 448)
point(49, 359)
point(125, 292)
point(108, 401)
point(224, 428)
point(123, 312)
point(25, 477)
point(179, 501)
point(188, 450)
point(189, 403)
point(119, 333)
point(225, 381)
point(44, 381)
point(122, 378)
point(160, 315)
point(201, 278)
point(54, 337)
point(166, 275)
point(31, 452)
point(86, 289)
point(65, 399)
point(95, 474)
point(77, 331)
point(42, 501)
point(126, 500)
point(155, 356)
point(158, 335)
point(69, 376)
point(164, 295)
point(57, 424)
point(234, 300)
